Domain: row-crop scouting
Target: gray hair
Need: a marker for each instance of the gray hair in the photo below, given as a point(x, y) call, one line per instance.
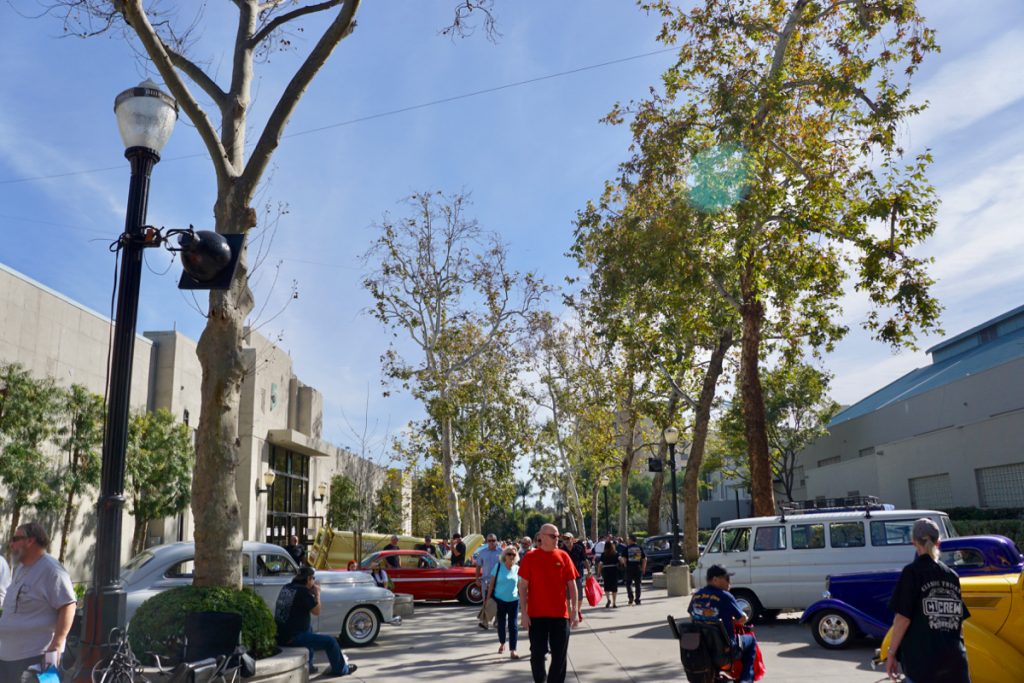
point(36, 531)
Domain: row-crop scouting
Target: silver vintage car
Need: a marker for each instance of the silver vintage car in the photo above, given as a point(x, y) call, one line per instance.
point(353, 607)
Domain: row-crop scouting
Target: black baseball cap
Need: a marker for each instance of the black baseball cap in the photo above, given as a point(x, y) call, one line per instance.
point(716, 570)
point(304, 574)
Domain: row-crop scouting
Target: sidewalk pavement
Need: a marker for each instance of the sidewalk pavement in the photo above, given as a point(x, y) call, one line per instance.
point(630, 643)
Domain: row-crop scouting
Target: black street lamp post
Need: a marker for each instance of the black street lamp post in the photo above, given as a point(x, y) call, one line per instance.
point(671, 437)
point(145, 117)
point(604, 483)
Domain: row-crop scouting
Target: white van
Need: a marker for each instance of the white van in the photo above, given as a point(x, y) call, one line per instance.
point(780, 563)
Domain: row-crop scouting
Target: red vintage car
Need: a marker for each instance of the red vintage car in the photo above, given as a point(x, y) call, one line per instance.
point(419, 574)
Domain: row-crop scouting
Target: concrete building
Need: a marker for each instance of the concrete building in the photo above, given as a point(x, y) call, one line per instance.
point(946, 435)
point(280, 422)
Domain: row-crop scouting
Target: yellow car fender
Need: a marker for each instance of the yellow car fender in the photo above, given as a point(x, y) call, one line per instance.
point(990, 659)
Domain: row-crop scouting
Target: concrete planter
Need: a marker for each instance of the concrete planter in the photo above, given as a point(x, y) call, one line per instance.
point(290, 665)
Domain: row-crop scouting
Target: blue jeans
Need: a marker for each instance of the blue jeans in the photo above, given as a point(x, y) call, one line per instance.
point(508, 621)
point(748, 647)
point(316, 641)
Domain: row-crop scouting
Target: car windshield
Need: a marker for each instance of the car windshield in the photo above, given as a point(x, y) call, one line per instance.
point(365, 564)
point(135, 564)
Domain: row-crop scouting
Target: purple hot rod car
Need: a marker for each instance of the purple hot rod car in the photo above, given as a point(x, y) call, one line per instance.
point(857, 604)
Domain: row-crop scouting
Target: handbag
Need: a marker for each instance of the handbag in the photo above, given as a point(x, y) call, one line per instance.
point(593, 591)
point(490, 609)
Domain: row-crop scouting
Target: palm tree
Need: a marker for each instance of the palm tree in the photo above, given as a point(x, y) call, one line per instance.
point(524, 489)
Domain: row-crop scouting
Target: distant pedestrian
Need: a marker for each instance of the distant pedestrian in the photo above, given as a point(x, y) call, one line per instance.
point(485, 559)
point(525, 546)
point(636, 567)
point(578, 554)
point(458, 551)
point(296, 550)
point(546, 575)
point(295, 603)
point(39, 605)
point(379, 576)
point(609, 566)
point(505, 591)
point(392, 560)
point(927, 632)
point(427, 545)
point(599, 546)
point(5, 578)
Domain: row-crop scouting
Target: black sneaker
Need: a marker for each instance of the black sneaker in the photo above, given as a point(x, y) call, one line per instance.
point(352, 668)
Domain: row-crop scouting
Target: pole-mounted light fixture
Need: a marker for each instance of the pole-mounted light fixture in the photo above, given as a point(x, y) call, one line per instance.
point(671, 436)
point(268, 480)
point(322, 490)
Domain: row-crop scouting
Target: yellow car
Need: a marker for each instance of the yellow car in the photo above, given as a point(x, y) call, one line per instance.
point(994, 634)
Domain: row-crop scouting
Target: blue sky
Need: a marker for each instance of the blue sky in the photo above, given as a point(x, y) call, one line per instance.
point(530, 155)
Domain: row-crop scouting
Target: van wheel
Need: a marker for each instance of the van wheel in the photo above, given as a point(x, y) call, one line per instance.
point(832, 629)
point(749, 603)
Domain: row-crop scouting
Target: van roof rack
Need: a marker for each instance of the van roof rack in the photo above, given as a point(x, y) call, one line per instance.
point(863, 504)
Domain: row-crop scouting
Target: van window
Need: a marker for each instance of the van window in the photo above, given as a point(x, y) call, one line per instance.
point(950, 529)
point(715, 546)
point(891, 532)
point(807, 536)
point(846, 534)
point(770, 538)
point(736, 540)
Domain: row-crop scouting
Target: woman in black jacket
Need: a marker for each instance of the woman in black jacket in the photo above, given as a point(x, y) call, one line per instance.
point(609, 567)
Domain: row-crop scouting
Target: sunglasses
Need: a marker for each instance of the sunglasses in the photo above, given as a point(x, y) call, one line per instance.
point(510, 554)
point(16, 538)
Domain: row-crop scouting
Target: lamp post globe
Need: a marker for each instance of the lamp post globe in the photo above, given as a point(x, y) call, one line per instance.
point(671, 436)
point(145, 119)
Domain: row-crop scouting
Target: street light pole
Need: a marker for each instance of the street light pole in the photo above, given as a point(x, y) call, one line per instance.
point(671, 437)
point(607, 527)
point(146, 118)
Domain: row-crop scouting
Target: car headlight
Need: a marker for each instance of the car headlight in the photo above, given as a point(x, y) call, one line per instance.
point(826, 595)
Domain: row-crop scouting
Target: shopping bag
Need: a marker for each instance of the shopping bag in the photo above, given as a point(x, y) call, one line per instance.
point(593, 590)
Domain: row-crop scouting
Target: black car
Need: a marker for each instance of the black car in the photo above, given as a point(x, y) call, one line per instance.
point(659, 552)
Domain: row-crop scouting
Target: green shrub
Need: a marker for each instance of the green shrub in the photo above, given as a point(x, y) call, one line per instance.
point(158, 626)
point(980, 514)
point(1011, 528)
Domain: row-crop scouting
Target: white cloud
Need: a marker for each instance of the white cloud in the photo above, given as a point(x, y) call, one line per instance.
point(969, 89)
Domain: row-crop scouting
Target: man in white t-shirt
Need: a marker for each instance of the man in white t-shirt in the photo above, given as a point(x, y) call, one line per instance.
point(39, 606)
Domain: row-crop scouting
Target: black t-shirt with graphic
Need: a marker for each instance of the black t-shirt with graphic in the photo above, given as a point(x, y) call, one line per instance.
point(291, 612)
point(634, 557)
point(932, 651)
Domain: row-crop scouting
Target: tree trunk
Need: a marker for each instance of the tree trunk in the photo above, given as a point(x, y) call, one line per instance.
point(215, 507)
point(594, 509)
point(755, 425)
point(700, 437)
point(15, 518)
point(447, 469)
point(658, 482)
point(65, 529)
point(139, 536)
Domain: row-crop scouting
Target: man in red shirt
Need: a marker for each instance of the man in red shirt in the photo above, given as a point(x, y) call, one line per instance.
point(546, 576)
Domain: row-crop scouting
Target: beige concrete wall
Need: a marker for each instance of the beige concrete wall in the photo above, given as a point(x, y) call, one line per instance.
point(54, 336)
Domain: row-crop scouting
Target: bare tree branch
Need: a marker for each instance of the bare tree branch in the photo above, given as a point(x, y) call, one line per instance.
point(198, 76)
point(342, 25)
point(135, 16)
point(281, 19)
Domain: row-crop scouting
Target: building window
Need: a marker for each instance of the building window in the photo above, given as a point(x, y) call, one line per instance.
point(828, 461)
point(288, 499)
point(870, 450)
point(931, 493)
point(1001, 487)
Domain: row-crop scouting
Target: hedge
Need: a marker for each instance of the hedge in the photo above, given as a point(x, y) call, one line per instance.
point(158, 626)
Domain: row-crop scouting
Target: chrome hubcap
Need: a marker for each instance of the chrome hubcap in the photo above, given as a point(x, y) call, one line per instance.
point(833, 629)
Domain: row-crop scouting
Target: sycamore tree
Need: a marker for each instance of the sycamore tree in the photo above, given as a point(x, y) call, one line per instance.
point(435, 274)
point(29, 412)
point(158, 470)
point(797, 412)
point(215, 92)
point(780, 126)
point(80, 437)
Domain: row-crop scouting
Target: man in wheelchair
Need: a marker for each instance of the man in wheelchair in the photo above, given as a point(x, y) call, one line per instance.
point(716, 615)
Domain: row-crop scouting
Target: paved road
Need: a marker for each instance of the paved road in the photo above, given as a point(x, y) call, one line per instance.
point(629, 644)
